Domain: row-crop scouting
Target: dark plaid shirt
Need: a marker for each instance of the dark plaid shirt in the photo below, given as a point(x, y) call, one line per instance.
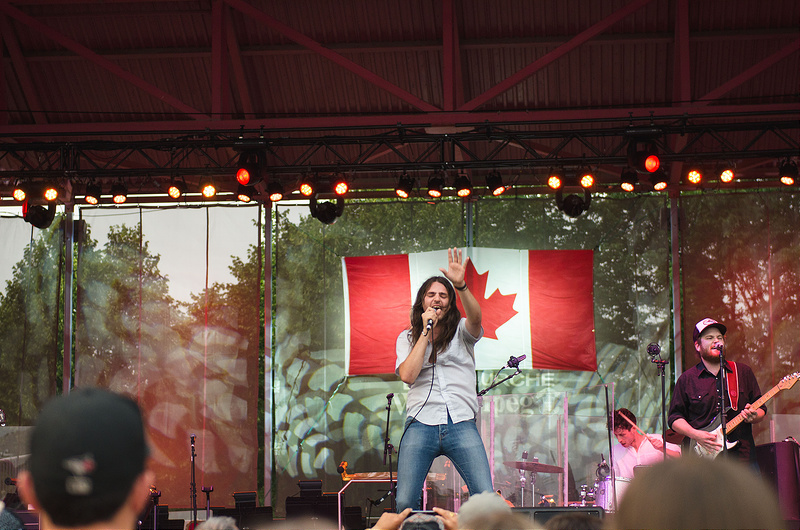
point(696, 399)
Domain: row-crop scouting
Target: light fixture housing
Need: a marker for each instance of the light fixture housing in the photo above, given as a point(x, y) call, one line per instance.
point(176, 189)
point(249, 168)
point(643, 156)
point(39, 215)
point(463, 185)
point(494, 181)
point(275, 191)
point(20, 192)
point(119, 193)
point(326, 212)
point(628, 179)
point(788, 172)
point(92, 193)
point(245, 193)
point(435, 185)
point(727, 173)
point(694, 175)
point(208, 189)
point(306, 186)
point(573, 205)
point(404, 186)
point(659, 180)
point(555, 178)
point(586, 178)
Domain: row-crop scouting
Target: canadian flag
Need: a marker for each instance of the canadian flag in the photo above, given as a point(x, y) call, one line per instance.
point(537, 303)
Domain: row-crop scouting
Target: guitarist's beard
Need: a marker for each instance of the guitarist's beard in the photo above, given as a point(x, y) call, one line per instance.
point(710, 355)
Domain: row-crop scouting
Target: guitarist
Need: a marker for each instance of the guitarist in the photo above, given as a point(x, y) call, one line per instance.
point(695, 399)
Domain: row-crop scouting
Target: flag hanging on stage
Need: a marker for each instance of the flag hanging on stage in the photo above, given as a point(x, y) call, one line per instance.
point(537, 303)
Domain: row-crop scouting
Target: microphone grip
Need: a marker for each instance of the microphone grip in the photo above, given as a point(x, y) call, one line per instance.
point(430, 324)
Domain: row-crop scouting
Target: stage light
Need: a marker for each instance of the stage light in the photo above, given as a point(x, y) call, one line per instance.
point(556, 178)
point(694, 176)
point(245, 193)
point(435, 185)
point(463, 185)
point(494, 181)
point(659, 180)
point(404, 186)
point(306, 186)
point(208, 189)
point(92, 193)
point(644, 159)
point(586, 178)
point(628, 179)
point(275, 191)
point(38, 215)
point(119, 193)
point(248, 171)
point(20, 192)
point(326, 212)
point(727, 173)
point(176, 189)
point(339, 185)
point(788, 172)
point(50, 192)
point(572, 205)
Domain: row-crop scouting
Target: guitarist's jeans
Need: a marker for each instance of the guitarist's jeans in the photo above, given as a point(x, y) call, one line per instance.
point(421, 444)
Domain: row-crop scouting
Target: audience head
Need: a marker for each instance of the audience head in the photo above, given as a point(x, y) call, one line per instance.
point(218, 523)
point(693, 493)
point(574, 521)
point(489, 511)
point(87, 460)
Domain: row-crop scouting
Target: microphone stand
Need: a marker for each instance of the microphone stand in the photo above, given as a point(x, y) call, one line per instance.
point(193, 488)
point(723, 384)
point(388, 449)
point(512, 363)
point(655, 350)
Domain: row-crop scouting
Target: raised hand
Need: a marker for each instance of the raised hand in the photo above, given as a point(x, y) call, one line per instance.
point(456, 267)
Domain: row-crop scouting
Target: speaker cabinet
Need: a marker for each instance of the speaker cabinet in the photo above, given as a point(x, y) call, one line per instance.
point(780, 466)
point(540, 515)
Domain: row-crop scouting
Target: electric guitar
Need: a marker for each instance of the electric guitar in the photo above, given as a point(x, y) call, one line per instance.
point(716, 425)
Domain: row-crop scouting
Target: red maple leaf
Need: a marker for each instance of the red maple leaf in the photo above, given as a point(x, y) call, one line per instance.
point(496, 310)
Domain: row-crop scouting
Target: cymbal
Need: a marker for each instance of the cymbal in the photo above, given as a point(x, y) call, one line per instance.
point(536, 467)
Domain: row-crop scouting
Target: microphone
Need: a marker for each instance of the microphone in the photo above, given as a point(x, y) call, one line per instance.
point(513, 362)
point(430, 324)
point(342, 466)
point(11, 481)
point(653, 349)
point(390, 395)
point(192, 438)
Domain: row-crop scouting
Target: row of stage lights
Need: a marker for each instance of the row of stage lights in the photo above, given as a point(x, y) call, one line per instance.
point(249, 174)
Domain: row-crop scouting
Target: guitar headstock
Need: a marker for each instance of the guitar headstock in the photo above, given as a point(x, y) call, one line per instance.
point(788, 381)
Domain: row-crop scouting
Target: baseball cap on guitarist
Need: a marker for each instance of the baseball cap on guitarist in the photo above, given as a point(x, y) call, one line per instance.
point(704, 324)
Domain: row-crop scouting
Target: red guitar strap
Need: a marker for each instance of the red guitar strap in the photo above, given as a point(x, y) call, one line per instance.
point(733, 385)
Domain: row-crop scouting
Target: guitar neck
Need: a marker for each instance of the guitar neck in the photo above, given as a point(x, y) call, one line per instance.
point(731, 425)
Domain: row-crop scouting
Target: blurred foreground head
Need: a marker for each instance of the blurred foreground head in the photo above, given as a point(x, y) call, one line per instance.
point(693, 493)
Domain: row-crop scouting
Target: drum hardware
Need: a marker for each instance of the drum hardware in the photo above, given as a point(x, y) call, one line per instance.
point(533, 467)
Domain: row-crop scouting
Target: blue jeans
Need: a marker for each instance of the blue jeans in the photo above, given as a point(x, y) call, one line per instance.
point(421, 444)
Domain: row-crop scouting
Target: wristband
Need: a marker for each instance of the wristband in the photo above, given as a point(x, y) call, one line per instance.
point(462, 288)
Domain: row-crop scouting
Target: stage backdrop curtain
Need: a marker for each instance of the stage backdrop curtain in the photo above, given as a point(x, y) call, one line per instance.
point(31, 301)
point(167, 311)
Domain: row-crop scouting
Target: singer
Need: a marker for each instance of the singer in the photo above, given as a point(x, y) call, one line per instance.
point(436, 358)
point(694, 409)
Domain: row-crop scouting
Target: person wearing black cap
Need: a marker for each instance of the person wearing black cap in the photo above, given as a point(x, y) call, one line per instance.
point(87, 465)
point(694, 409)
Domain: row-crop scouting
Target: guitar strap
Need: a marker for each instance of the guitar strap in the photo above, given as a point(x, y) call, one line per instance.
point(733, 385)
